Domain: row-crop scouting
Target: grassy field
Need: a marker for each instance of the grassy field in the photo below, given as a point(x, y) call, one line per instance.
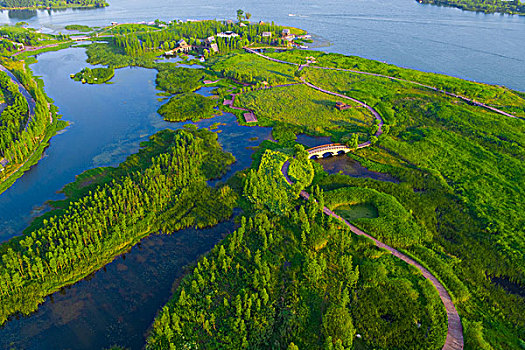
point(497, 96)
point(305, 109)
point(249, 68)
point(478, 153)
point(461, 170)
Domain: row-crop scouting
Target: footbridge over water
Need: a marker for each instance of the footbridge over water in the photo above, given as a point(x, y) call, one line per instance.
point(332, 149)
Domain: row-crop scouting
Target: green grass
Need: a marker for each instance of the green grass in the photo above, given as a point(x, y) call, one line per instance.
point(176, 80)
point(250, 68)
point(353, 212)
point(188, 106)
point(305, 109)
point(110, 55)
point(394, 225)
point(36, 155)
point(498, 96)
point(78, 27)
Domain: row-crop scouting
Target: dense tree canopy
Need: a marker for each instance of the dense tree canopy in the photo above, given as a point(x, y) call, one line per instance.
point(167, 193)
point(487, 6)
point(294, 279)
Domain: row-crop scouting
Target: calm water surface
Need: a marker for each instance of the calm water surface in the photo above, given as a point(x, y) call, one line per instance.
point(470, 45)
point(107, 124)
point(342, 164)
point(116, 305)
point(109, 121)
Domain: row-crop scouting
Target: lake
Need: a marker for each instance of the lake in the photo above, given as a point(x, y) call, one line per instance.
point(475, 46)
point(107, 123)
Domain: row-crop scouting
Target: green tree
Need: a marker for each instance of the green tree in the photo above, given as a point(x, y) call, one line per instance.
point(240, 13)
point(337, 323)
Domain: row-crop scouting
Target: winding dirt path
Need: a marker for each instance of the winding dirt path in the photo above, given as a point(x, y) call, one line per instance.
point(466, 99)
point(454, 340)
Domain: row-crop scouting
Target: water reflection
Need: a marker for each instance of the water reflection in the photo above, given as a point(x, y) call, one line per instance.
point(108, 122)
point(21, 15)
point(116, 305)
point(351, 167)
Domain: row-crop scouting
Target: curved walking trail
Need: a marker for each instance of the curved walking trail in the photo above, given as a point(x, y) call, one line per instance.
point(466, 99)
point(32, 105)
point(30, 100)
point(454, 340)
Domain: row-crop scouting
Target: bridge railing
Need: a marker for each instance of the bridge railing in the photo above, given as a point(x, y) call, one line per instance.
point(327, 147)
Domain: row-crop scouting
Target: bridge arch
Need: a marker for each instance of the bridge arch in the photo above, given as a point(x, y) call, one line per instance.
point(329, 150)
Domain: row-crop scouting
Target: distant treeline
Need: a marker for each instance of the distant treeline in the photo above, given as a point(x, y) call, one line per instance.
point(136, 43)
point(487, 6)
point(52, 3)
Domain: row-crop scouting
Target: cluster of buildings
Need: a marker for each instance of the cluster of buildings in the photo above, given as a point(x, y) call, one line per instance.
point(184, 47)
point(210, 44)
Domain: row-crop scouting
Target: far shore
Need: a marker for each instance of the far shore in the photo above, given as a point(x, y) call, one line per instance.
point(51, 8)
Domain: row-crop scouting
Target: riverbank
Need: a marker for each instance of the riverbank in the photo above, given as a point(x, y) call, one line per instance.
point(48, 118)
point(184, 159)
point(504, 7)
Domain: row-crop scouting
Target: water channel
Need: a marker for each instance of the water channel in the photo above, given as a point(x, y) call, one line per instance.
point(107, 123)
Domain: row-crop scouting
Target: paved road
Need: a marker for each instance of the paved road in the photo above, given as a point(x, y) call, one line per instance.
point(30, 100)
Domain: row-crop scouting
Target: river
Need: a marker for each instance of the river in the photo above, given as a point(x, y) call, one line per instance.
point(107, 124)
point(109, 121)
point(117, 304)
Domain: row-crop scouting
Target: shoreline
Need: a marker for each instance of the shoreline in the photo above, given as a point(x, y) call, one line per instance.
point(52, 8)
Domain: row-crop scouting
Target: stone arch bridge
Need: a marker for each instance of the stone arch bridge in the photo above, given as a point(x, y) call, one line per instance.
point(331, 149)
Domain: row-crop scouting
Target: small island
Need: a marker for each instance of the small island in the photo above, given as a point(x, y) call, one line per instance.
point(94, 76)
point(512, 7)
point(79, 28)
